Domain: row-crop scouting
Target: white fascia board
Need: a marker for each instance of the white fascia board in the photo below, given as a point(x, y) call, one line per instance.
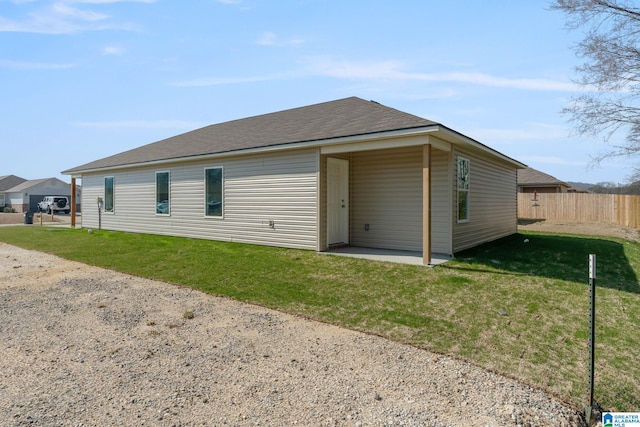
point(375, 145)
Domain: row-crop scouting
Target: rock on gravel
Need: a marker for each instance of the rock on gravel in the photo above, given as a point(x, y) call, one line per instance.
point(84, 346)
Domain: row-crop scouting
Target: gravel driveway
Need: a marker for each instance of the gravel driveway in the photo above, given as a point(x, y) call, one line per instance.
point(84, 346)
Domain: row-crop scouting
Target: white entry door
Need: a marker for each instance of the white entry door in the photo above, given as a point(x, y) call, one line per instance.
point(337, 201)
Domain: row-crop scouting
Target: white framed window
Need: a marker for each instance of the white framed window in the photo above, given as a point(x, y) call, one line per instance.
point(463, 185)
point(109, 189)
point(213, 192)
point(163, 196)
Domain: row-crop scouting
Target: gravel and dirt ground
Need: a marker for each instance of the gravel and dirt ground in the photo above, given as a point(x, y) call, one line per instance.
point(84, 346)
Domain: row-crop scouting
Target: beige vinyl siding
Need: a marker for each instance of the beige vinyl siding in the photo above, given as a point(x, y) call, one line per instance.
point(492, 206)
point(396, 175)
point(441, 204)
point(322, 208)
point(280, 187)
point(386, 193)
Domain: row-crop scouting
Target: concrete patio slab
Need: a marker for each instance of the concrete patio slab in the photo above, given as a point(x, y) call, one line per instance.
point(388, 255)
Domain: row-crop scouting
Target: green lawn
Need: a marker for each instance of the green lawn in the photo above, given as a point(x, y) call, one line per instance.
point(513, 307)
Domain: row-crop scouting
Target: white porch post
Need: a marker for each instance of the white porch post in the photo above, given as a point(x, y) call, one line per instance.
point(426, 204)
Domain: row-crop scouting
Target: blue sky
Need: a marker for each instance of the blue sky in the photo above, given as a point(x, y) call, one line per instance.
point(84, 79)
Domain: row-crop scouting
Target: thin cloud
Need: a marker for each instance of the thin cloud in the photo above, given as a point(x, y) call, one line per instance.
point(110, 1)
point(65, 17)
point(552, 160)
point(266, 39)
point(535, 132)
point(112, 50)
point(393, 70)
point(387, 71)
point(216, 81)
point(65, 11)
point(140, 124)
point(271, 39)
point(488, 80)
point(25, 65)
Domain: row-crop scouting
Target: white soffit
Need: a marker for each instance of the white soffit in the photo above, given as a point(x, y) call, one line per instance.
point(406, 141)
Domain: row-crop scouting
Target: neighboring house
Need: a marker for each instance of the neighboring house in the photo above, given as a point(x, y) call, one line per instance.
point(346, 172)
point(533, 181)
point(25, 196)
point(7, 182)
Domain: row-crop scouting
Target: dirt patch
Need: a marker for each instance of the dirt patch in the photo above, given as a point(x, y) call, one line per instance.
point(585, 228)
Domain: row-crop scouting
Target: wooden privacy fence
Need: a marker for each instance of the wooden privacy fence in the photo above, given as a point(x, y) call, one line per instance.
point(581, 207)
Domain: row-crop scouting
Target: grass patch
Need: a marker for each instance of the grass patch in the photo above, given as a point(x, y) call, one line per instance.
point(513, 307)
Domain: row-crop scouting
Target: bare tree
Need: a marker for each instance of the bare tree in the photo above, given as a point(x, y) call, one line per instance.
point(610, 75)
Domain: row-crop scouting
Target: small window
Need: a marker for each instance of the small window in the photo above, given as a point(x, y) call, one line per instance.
point(463, 189)
point(108, 193)
point(213, 192)
point(1, 200)
point(163, 201)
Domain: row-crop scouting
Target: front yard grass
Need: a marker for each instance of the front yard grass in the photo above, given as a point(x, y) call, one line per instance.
point(515, 307)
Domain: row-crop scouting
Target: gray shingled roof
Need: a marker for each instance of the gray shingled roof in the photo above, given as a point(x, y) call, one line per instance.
point(27, 184)
point(9, 181)
point(342, 118)
point(530, 177)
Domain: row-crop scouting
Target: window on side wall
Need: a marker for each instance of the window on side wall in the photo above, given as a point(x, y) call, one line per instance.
point(108, 193)
point(213, 192)
point(163, 199)
point(463, 189)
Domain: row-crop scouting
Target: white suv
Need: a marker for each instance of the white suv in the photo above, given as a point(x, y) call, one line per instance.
point(52, 204)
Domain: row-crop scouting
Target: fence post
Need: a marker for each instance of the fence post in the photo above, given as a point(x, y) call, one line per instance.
point(592, 335)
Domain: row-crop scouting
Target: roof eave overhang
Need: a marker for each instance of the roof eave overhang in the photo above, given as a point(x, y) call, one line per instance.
point(452, 136)
point(544, 184)
point(328, 146)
